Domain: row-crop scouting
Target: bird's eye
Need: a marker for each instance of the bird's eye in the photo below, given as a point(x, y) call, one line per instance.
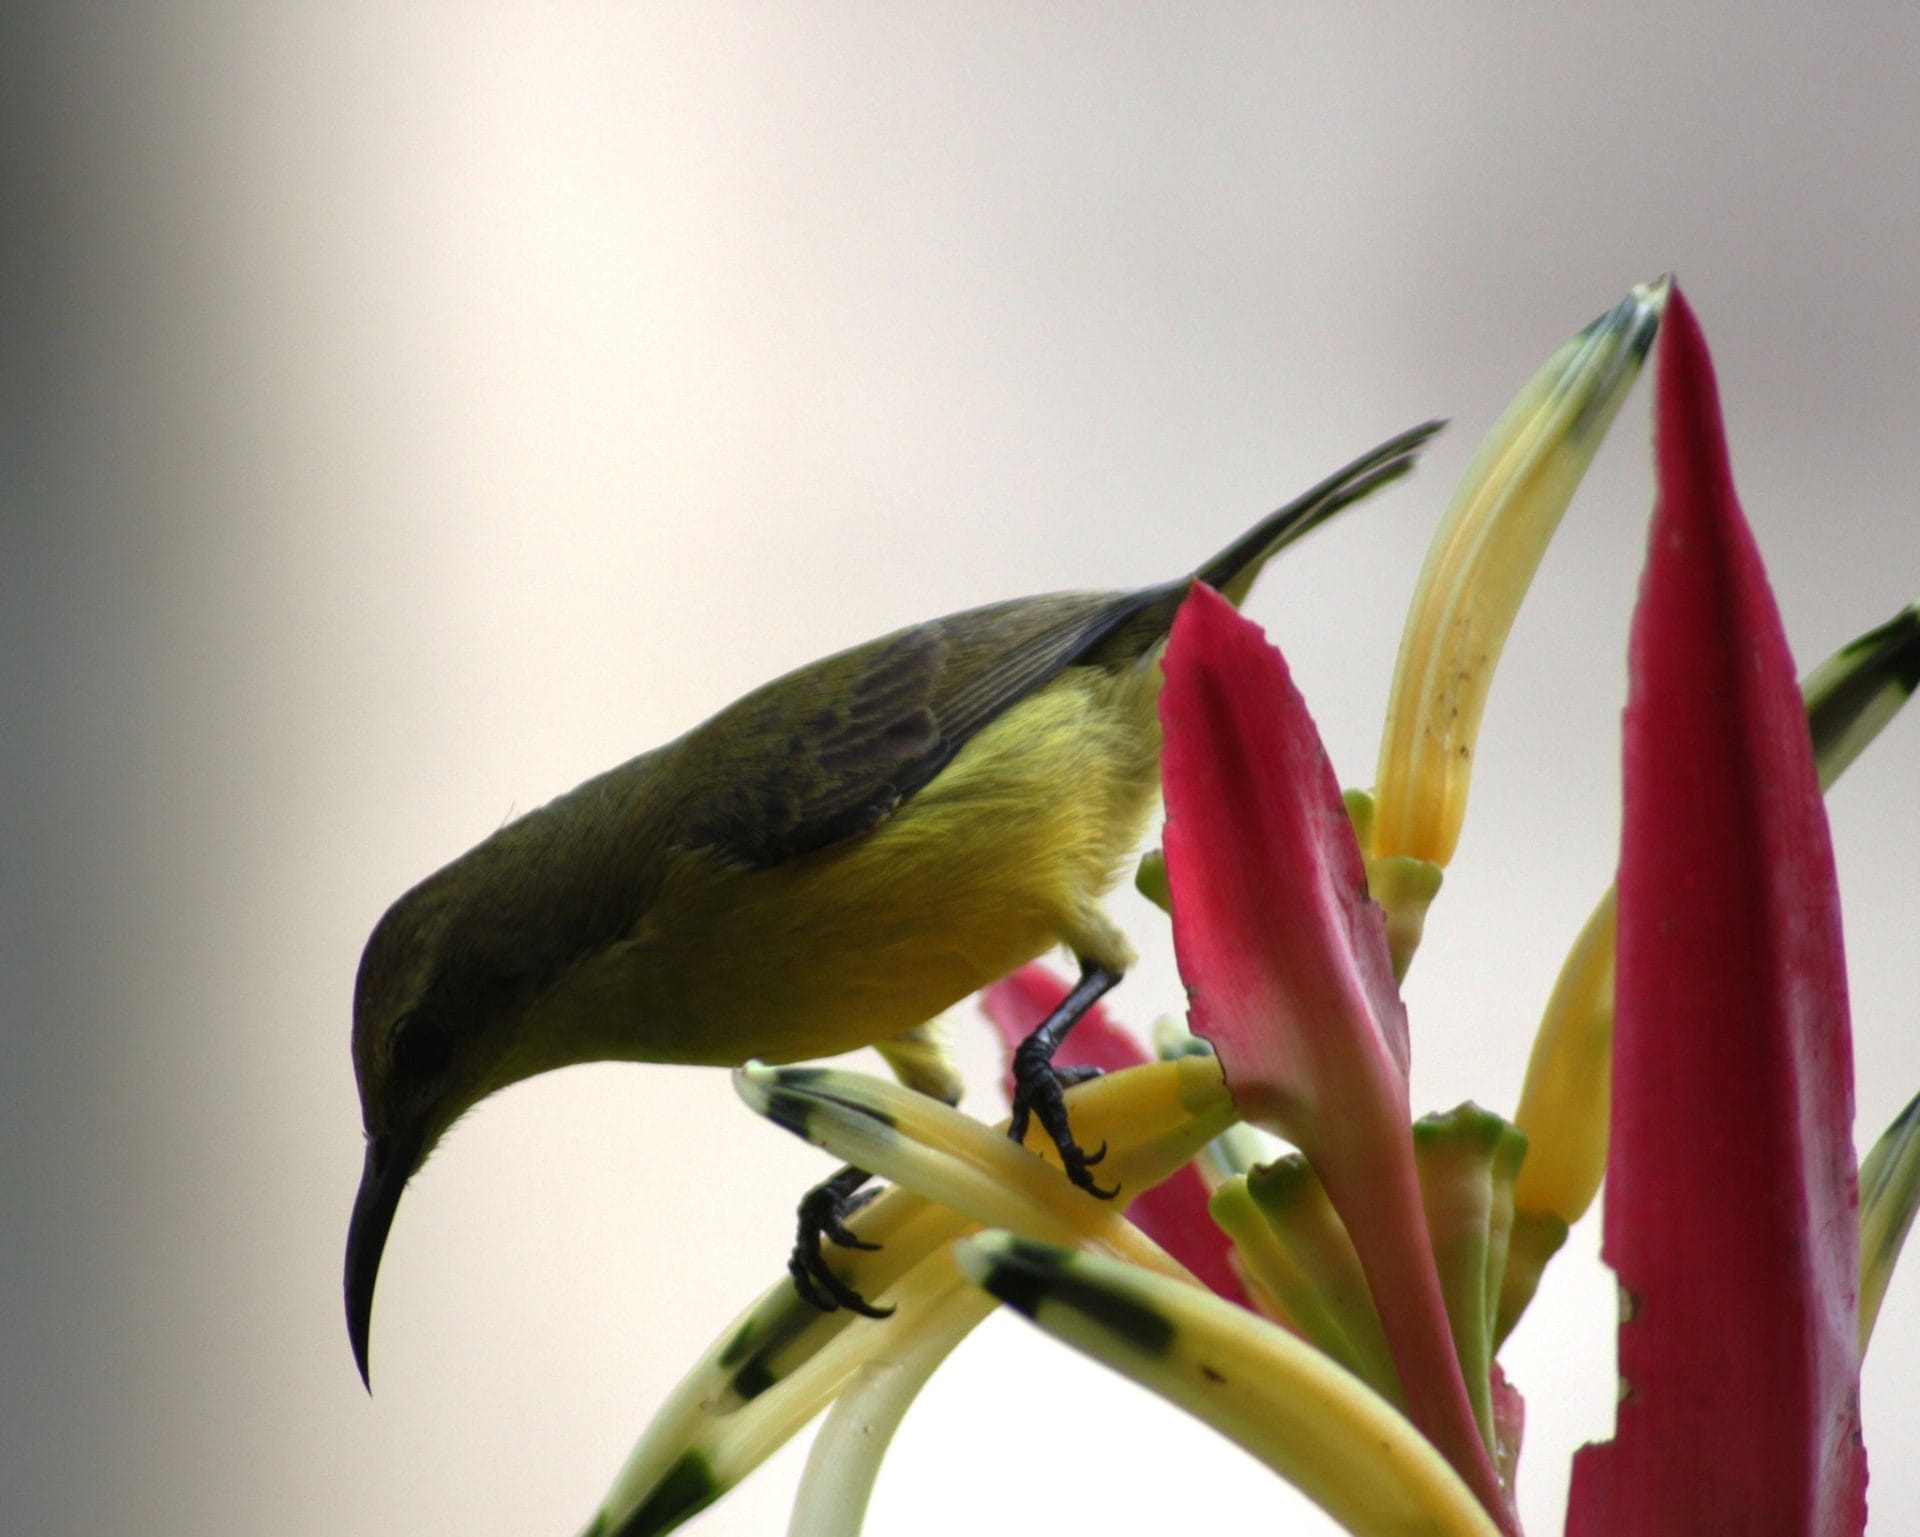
point(420, 1046)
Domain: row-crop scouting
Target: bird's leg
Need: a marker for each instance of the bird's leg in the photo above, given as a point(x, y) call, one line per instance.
point(919, 1060)
point(1038, 1091)
point(1038, 1085)
point(823, 1215)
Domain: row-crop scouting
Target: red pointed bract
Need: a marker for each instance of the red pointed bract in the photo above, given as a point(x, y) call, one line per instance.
point(1730, 1208)
point(1288, 975)
point(1174, 1212)
point(1293, 975)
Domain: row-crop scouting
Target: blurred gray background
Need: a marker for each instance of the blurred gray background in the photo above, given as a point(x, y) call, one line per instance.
point(414, 409)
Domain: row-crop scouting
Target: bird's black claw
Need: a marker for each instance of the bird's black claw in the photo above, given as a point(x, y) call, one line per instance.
point(1039, 1089)
point(822, 1216)
point(1078, 1162)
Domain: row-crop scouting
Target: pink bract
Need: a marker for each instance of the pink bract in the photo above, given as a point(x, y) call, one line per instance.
point(1730, 1205)
point(1288, 975)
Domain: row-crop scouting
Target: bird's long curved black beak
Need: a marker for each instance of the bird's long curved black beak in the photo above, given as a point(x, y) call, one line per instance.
point(390, 1164)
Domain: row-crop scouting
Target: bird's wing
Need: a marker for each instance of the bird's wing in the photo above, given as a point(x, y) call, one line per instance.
point(833, 749)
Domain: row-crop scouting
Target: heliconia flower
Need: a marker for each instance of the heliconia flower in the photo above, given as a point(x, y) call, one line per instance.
point(1374, 1273)
point(1288, 975)
point(1478, 568)
point(1730, 1215)
point(1173, 1212)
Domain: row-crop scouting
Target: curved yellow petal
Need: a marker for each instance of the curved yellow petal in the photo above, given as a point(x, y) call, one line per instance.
point(1479, 566)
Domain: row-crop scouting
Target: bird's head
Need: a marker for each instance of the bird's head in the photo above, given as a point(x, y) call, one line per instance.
point(427, 1046)
point(487, 973)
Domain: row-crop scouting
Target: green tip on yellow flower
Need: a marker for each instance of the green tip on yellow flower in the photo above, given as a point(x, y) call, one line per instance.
point(1889, 1192)
point(1479, 566)
point(1404, 888)
point(1854, 693)
point(1296, 1252)
point(1308, 1419)
point(1467, 1159)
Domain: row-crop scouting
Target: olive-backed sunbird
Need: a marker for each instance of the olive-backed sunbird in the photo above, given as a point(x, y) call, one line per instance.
point(827, 863)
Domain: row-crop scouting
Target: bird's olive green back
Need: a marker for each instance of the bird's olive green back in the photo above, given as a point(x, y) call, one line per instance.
point(833, 749)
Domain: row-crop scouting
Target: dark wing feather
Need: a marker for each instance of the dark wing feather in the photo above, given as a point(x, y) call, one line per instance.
point(835, 748)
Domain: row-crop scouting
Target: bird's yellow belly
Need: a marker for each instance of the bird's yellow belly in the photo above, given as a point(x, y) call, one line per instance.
point(1002, 856)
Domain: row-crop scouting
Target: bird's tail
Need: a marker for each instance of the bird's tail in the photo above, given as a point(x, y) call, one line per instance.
point(1232, 571)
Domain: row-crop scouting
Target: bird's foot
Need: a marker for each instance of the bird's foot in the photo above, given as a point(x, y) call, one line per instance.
point(822, 1216)
point(1039, 1091)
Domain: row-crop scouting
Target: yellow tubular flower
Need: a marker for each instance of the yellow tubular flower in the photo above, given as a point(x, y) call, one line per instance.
point(1564, 1103)
point(1310, 1420)
point(1478, 567)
